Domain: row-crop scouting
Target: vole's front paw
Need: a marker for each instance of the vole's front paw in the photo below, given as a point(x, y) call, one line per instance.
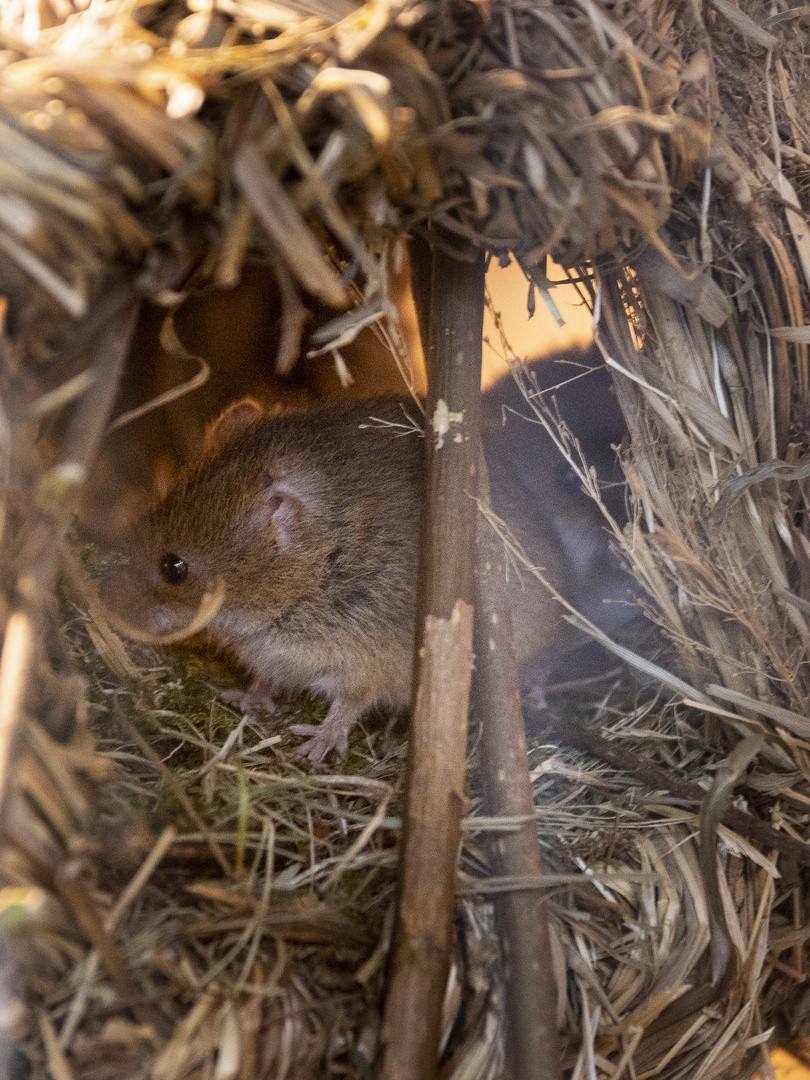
point(321, 742)
point(263, 694)
point(332, 734)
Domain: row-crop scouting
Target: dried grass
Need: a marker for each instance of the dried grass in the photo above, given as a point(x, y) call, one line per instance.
point(184, 898)
point(244, 898)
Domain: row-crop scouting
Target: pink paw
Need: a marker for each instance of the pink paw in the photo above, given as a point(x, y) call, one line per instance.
point(332, 734)
point(261, 695)
point(321, 742)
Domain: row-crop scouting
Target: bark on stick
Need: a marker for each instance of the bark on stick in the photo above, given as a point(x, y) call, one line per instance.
point(435, 799)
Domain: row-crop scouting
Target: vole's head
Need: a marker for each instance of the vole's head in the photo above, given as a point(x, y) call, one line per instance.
point(254, 513)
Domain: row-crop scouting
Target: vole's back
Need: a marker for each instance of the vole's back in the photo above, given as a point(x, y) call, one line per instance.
point(560, 528)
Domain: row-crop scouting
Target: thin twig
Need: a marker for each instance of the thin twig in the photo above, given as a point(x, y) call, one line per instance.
point(522, 916)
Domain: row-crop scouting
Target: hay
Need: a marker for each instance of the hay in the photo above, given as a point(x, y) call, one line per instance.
point(247, 896)
point(531, 129)
point(660, 153)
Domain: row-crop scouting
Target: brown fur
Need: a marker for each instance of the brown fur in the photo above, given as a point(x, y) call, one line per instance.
point(560, 528)
point(311, 520)
point(320, 588)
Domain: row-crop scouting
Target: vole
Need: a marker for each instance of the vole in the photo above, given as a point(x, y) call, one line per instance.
point(311, 521)
point(534, 489)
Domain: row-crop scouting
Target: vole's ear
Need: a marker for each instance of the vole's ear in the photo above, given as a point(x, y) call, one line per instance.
point(231, 423)
point(280, 507)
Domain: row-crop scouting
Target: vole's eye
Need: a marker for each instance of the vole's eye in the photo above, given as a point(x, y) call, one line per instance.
point(173, 569)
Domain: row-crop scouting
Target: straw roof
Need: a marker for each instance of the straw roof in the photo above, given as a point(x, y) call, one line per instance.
point(153, 139)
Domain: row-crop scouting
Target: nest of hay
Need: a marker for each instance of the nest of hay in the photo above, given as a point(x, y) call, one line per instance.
point(660, 154)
